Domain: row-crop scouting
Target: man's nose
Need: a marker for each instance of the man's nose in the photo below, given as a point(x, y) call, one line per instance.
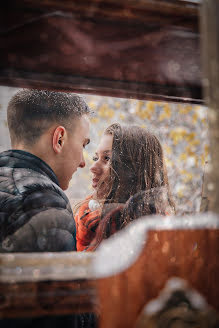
point(82, 163)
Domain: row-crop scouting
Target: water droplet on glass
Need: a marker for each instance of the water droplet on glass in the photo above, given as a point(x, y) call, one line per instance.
point(210, 186)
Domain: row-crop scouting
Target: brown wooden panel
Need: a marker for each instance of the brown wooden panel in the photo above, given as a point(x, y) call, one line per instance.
point(38, 284)
point(146, 50)
point(192, 255)
point(184, 12)
point(210, 56)
point(32, 299)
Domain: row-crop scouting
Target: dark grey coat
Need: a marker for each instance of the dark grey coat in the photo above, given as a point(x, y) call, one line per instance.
point(35, 214)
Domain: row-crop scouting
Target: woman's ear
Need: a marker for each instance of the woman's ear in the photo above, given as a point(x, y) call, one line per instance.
point(58, 139)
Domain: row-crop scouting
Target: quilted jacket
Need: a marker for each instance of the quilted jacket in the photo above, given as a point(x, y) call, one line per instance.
point(35, 214)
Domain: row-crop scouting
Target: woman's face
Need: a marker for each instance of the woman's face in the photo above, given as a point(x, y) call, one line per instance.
point(101, 167)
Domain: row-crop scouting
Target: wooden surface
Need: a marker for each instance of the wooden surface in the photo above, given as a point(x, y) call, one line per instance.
point(210, 58)
point(124, 9)
point(192, 255)
point(47, 298)
point(137, 49)
point(41, 284)
point(45, 266)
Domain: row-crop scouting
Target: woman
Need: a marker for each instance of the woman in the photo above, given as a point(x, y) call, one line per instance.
point(129, 180)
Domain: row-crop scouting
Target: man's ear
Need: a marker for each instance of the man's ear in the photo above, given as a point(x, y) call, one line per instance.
point(58, 139)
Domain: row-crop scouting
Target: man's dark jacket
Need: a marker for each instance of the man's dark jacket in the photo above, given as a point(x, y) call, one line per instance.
point(35, 214)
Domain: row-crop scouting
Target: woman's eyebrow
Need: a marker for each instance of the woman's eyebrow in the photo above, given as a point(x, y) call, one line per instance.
point(103, 152)
point(107, 151)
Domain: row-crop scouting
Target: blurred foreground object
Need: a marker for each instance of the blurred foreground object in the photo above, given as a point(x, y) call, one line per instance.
point(132, 49)
point(178, 306)
point(129, 270)
point(153, 251)
point(210, 58)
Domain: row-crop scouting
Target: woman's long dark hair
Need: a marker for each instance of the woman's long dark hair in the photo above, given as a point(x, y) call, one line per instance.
point(138, 180)
point(137, 163)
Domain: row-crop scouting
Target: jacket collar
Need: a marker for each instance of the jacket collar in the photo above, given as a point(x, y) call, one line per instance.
point(23, 159)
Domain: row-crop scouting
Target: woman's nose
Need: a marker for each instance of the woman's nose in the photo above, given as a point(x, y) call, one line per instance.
point(96, 167)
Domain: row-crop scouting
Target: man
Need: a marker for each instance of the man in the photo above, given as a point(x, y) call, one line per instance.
point(48, 132)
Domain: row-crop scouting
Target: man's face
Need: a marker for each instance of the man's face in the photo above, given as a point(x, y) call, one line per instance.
point(72, 153)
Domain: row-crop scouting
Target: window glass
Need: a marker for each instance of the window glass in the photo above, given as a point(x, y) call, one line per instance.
point(181, 129)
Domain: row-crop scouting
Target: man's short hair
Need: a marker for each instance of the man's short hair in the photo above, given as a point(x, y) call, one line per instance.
point(31, 112)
